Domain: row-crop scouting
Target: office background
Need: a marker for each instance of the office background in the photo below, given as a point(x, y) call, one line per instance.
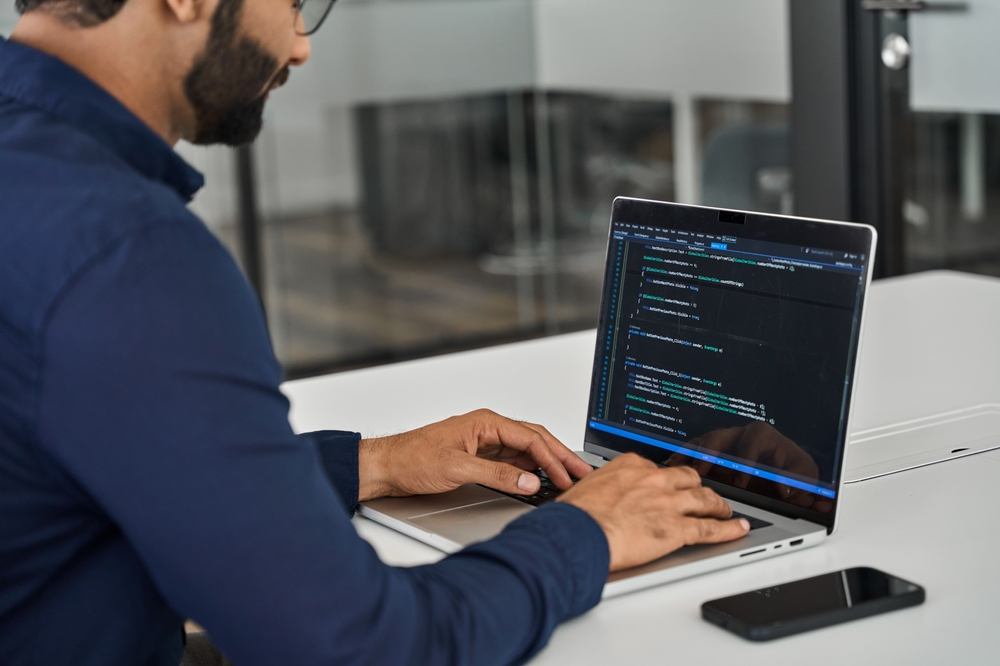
point(439, 176)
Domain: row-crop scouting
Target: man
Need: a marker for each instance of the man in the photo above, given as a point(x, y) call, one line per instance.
point(147, 469)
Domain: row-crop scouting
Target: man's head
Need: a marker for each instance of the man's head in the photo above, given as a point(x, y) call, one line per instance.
point(210, 63)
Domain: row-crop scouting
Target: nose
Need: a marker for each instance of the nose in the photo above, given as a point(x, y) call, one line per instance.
point(300, 51)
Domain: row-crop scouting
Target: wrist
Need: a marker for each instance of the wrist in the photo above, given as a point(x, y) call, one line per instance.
point(374, 476)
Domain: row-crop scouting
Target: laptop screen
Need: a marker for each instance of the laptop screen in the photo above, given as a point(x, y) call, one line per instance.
point(728, 342)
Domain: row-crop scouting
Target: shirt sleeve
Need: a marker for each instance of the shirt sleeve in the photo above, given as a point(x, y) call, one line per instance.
point(160, 399)
point(338, 452)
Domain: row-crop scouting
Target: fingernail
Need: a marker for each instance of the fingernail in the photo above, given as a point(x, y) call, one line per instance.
point(745, 524)
point(527, 482)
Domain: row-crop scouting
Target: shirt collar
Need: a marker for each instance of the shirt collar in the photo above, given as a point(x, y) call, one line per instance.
point(40, 80)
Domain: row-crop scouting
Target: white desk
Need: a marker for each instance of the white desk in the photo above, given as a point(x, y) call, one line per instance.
point(931, 347)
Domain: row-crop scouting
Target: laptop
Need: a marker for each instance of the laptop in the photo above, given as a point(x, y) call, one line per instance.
point(727, 341)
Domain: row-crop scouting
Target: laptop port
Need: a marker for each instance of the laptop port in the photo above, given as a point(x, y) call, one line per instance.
point(753, 552)
point(797, 542)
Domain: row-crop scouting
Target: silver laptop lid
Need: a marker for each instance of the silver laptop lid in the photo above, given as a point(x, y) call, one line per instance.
point(728, 341)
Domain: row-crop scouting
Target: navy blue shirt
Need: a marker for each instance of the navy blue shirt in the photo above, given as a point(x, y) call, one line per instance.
point(148, 472)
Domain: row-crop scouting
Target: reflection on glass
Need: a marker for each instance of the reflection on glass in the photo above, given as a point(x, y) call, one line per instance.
point(466, 220)
point(746, 161)
point(760, 445)
point(399, 229)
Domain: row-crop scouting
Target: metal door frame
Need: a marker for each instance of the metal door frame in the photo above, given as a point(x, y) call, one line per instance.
point(849, 115)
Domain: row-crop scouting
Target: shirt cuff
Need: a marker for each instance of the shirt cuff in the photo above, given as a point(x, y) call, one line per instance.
point(338, 451)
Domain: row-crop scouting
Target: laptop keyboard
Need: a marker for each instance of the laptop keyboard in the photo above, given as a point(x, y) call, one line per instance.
point(549, 492)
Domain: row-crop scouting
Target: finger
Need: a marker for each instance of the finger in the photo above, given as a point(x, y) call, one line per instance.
point(762, 444)
point(701, 503)
point(703, 467)
point(680, 478)
point(801, 498)
point(714, 441)
point(785, 492)
point(676, 460)
point(723, 440)
point(573, 463)
point(510, 456)
point(823, 506)
point(540, 450)
point(521, 461)
point(700, 466)
point(710, 530)
point(520, 437)
point(766, 444)
point(721, 474)
point(497, 475)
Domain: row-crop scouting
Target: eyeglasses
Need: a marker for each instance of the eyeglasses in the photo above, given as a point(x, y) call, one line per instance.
point(313, 12)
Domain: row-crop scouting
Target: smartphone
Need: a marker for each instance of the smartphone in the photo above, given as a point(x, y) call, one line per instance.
point(812, 603)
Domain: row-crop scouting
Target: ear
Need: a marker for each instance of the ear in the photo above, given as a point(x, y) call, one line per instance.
point(185, 11)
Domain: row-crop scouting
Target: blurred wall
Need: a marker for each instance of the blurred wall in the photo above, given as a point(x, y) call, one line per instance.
point(954, 56)
point(8, 17)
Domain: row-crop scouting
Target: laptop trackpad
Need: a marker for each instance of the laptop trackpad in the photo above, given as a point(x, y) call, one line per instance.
point(470, 524)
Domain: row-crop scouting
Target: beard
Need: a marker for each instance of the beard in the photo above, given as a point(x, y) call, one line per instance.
point(228, 83)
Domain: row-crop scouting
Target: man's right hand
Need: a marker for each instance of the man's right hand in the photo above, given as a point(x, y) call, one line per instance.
point(648, 511)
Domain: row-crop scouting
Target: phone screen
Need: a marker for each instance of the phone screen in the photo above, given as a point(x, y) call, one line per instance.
point(812, 602)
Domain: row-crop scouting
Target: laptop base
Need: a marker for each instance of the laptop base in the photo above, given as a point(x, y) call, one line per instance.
point(451, 521)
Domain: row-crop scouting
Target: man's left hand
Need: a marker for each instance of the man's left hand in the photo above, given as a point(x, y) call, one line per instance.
point(479, 447)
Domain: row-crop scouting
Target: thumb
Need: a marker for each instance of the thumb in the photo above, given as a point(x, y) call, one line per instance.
point(499, 476)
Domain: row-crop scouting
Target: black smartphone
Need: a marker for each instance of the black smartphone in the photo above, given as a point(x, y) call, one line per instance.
point(812, 603)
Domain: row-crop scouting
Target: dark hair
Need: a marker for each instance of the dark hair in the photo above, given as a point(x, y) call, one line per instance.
point(85, 13)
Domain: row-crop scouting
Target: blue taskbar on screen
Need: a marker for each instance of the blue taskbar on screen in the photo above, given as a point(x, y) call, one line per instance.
point(739, 467)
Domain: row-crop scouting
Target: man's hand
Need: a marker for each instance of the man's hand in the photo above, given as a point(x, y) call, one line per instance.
point(480, 447)
point(647, 511)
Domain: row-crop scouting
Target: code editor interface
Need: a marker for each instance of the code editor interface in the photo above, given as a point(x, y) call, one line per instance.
point(729, 353)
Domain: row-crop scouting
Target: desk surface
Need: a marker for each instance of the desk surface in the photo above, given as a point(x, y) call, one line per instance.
point(930, 347)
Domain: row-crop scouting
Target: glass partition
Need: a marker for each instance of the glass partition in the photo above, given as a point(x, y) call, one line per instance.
point(952, 190)
point(951, 206)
